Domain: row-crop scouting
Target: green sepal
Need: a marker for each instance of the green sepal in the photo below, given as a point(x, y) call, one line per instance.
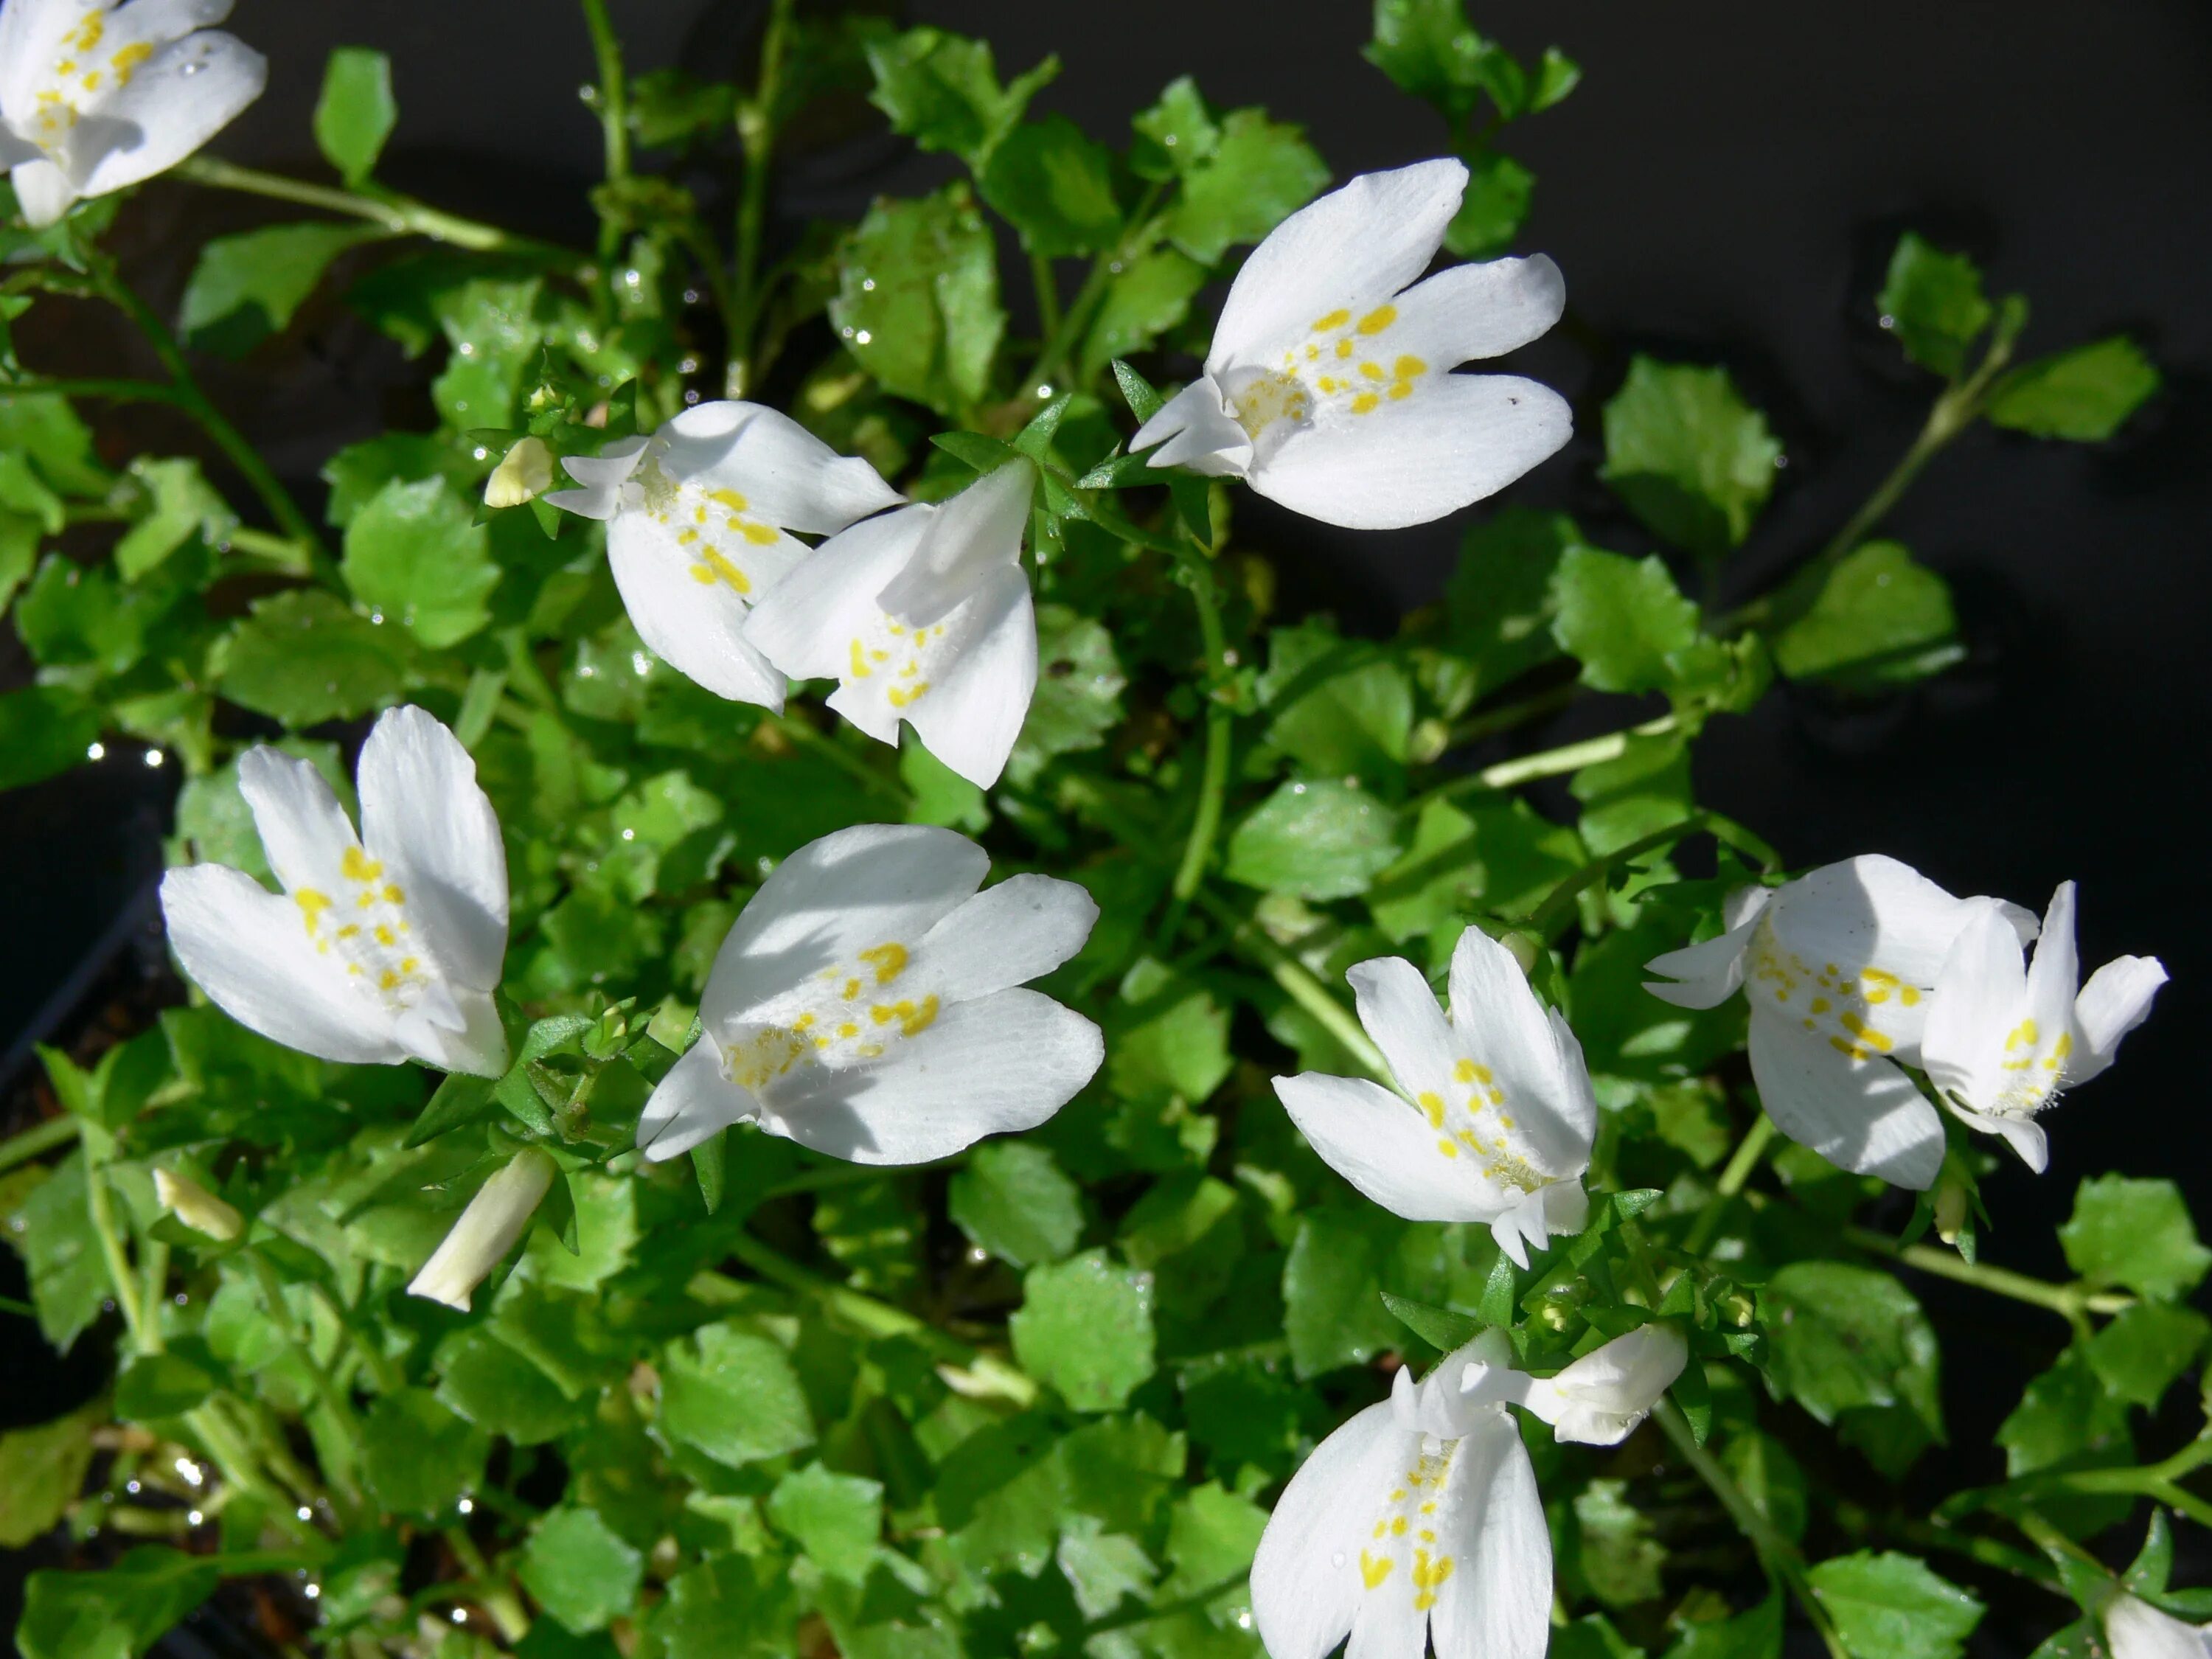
point(460, 1100)
point(557, 1214)
point(1440, 1328)
point(1137, 391)
point(710, 1163)
point(1693, 1394)
point(984, 454)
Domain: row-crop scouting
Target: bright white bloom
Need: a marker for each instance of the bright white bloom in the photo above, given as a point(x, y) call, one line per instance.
point(1329, 387)
point(1600, 1399)
point(2005, 1039)
point(1501, 1114)
point(865, 1005)
point(525, 472)
point(195, 1207)
point(496, 1216)
point(385, 946)
point(1837, 967)
point(94, 96)
point(697, 519)
point(1417, 1518)
point(923, 614)
point(2137, 1630)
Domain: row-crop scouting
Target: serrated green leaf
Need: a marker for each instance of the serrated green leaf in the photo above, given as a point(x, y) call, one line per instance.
point(1892, 1606)
point(2084, 395)
point(415, 556)
point(1055, 187)
point(2135, 1233)
point(1878, 618)
point(302, 657)
point(1084, 1328)
point(1933, 303)
point(580, 1570)
point(115, 1614)
point(356, 111)
point(732, 1394)
point(418, 1457)
point(1259, 174)
point(248, 287)
point(1013, 1201)
point(1322, 840)
point(1688, 455)
point(1624, 618)
point(917, 300)
point(41, 1469)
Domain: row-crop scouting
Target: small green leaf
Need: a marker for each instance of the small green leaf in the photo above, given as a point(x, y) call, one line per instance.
point(1150, 295)
point(1624, 618)
point(732, 1394)
point(1933, 301)
point(1175, 135)
point(41, 1469)
point(1878, 619)
point(2085, 395)
point(1322, 840)
point(1492, 211)
point(493, 1387)
point(942, 90)
point(116, 1613)
point(44, 729)
point(580, 1570)
point(917, 300)
point(414, 556)
point(2138, 1356)
point(668, 106)
point(2065, 1420)
point(1844, 1338)
point(1055, 187)
point(1892, 1607)
point(357, 112)
point(1440, 1328)
point(418, 1457)
point(1688, 455)
point(303, 658)
point(1103, 1569)
point(729, 1606)
point(1333, 1309)
point(1336, 707)
point(1260, 173)
point(2137, 1234)
point(181, 504)
point(1013, 1201)
point(1618, 1557)
point(158, 1385)
point(1085, 1328)
point(248, 287)
point(1078, 691)
point(835, 1519)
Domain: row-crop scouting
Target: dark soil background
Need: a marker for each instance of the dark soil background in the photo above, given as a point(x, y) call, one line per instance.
point(1724, 187)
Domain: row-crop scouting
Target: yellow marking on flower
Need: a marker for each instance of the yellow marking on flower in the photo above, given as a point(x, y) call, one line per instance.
point(1373, 371)
point(394, 894)
point(1447, 1149)
point(351, 930)
point(1468, 1071)
point(728, 498)
point(1402, 390)
point(125, 60)
point(408, 964)
point(1373, 1570)
point(387, 980)
point(1407, 368)
point(1398, 1526)
point(1381, 1528)
point(1866, 1033)
point(1851, 1048)
point(803, 1020)
point(1378, 319)
point(1336, 319)
point(1428, 1509)
point(860, 669)
point(760, 535)
point(384, 935)
point(1428, 1579)
point(1313, 353)
point(1433, 1104)
point(718, 568)
point(852, 989)
point(311, 905)
point(1820, 1004)
point(901, 697)
point(847, 1028)
point(1365, 403)
point(357, 865)
point(889, 960)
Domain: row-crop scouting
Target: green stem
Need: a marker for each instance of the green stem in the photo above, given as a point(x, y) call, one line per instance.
point(1741, 1164)
point(756, 133)
point(1213, 783)
point(20, 1309)
point(614, 113)
point(1299, 982)
point(491, 1589)
point(1505, 718)
point(326, 1389)
point(1547, 915)
point(400, 216)
point(1143, 230)
point(1776, 1553)
point(37, 1140)
point(2070, 1302)
point(99, 1209)
point(1547, 763)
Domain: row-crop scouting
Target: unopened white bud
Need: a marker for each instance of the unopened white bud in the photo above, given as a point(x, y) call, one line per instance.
point(496, 1216)
point(525, 474)
point(196, 1208)
point(1950, 1211)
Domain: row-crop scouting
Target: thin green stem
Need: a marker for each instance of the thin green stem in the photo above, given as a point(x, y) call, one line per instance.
point(1299, 982)
point(2070, 1302)
point(1741, 1164)
point(1213, 780)
point(100, 1209)
point(756, 133)
point(116, 390)
point(1060, 340)
point(400, 215)
point(1546, 916)
point(37, 1141)
point(1547, 763)
point(20, 1309)
point(1490, 721)
point(1047, 286)
point(613, 103)
point(326, 1389)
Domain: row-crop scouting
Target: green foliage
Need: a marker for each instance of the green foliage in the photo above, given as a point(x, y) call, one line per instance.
point(1688, 456)
point(248, 287)
point(1085, 1328)
point(1879, 618)
point(1933, 303)
point(2085, 395)
point(2135, 1233)
point(356, 112)
point(917, 303)
point(1892, 1607)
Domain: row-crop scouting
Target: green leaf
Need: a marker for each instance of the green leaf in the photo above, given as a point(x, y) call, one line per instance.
point(41, 1470)
point(493, 1387)
point(48, 1225)
point(942, 90)
point(1618, 1557)
point(1688, 455)
point(246, 288)
point(1844, 1338)
point(1878, 619)
point(1150, 295)
point(2085, 395)
point(835, 1518)
point(43, 436)
point(1624, 618)
point(1084, 1328)
point(917, 299)
point(1337, 707)
point(1078, 691)
point(1755, 1634)
point(73, 614)
point(2065, 1420)
point(2136, 1234)
point(1175, 135)
point(1495, 854)
point(938, 795)
point(357, 112)
point(2138, 1356)
point(494, 329)
point(1892, 1607)
point(1212, 1535)
point(1170, 1038)
point(1427, 49)
point(1054, 186)
point(1498, 603)
point(1259, 173)
point(729, 1606)
point(158, 1385)
point(117, 1614)
point(1933, 301)
point(415, 556)
point(1322, 840)
point(1103, 1569)
point(180, 505)
point(44, 729)
point(668, 106)
point(1440, 1328)
point(580, 1570)
point(1500, 190)
point(1013, 1201)
point(418, 1457)
point(302, 657)
point(732, 1394)
point(359, 470)
point(1333, 1310)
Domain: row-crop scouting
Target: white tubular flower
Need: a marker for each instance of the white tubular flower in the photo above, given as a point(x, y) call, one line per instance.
point(1501, 1114)
point(865, 1005)
point(525, 472)
point(385, 946)
point(2005, 1039)
point(1600, 1399)
point(496, 1217)
point(195, 1207)
point(1418, 1519)
point(94, 96)
point(923, 614)
point(697, 517)
point(1330, 390)
point(1838, 967)
point(2137, 1630)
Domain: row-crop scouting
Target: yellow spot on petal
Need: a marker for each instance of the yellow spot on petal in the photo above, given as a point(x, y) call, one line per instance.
point(1334, 319)
point(1433, 1104)
point(357, 865)
point(311, 905)
point(1365, 403)
point(1373, 371)
point(888, 960)
point(901, 696)
point(1374, 1571)
point(1378, 319)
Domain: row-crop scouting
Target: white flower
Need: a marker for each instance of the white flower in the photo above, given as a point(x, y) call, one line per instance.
point(1501, 1115)
point(496, 1216)
point(1837, 967)
point(525, 472)
point(865, 1005)
point(195, 1207)
point(94, 96)
point(923, 614)
point(1598, 1400)
point(1418, 1517)
point(1330, 390)
point(2137, 1630)
point(2004, 1040)
point(696, 521)
point(384, 947)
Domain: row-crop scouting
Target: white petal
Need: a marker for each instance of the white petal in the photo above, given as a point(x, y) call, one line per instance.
point(2116, 1000)
point(2056, 974)
point(247, 950)
point(2025, 1136)
point(972, 536)
point(1195, 428)
point(787, 474)
point(602, 475)
point(1601, 1396)
point(303, 828)
point(697, 628)
point(1496, 1603)
point(1870, 910)
point(1457, 439)
point(1386, 1148)
point(1499, 1024)
point(973, 712)
point(1705, 975)
point(871, 884)
point(1478, 311)
point(1006, 935)
point(456, 1028)
point(30, 40)
point(1862, 1116)
point(1351, 249)
point(1305, 1580)
point(422, 811)
point(998, 1064)
point(695, 1102)
point(2138, 1630)
point(1400, 1013)
point(175, 101)
point(494, 1222)
point(807, 622)
point(1980, 996)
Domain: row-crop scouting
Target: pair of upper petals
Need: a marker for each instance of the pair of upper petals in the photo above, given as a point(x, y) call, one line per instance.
point(1328, 387)
point(94, 97)
point(385, 945)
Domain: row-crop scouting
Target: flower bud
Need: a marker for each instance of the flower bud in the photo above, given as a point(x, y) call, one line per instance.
point(496, 1216)
point(1527, 950)
point(526, 473)
point(1950, 1210)
point(196, 1208)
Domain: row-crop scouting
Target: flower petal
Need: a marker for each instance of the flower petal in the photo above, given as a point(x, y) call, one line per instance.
point(246, 949)
point(1400, 1013)
point(807, 622)
point(1499, 1023)
point(1981, 994)
point(1386, 1148)
point(787, 474)
point(870, 884)
point(1600, 1399)
point(1873, 909)
point(1457, 439)
point(996, 1065)
point(1349, 250)
point(1478, 311)
point(1195, 428)
point(457, 1029)
point(422, 811)
point(1496, 1601)
point(2116, 1000)
point(1705, 975)
point(695, 1102)
point(2137, 1630)
point(602, 475)
point(697, 627)
point(972, 536)
point(1004, 936)
point(303, 828)
point(174, 101)
point(971, 718)
point(1863, 1115)
point(1305, 1584)
point(2056, 974)
point(43, 192)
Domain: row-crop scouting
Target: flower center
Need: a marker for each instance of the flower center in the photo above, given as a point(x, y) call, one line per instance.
point(1402, 1550)
point(365, 927)
point(841, 1017)
point(1480, 1123)
point(713, 527)
point(1339, 364)
point(895, 655)
point(1847, 1001)
point(89, 68)
point(2034, 1066)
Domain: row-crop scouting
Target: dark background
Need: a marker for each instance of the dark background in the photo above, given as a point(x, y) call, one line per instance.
point(1724, 187)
